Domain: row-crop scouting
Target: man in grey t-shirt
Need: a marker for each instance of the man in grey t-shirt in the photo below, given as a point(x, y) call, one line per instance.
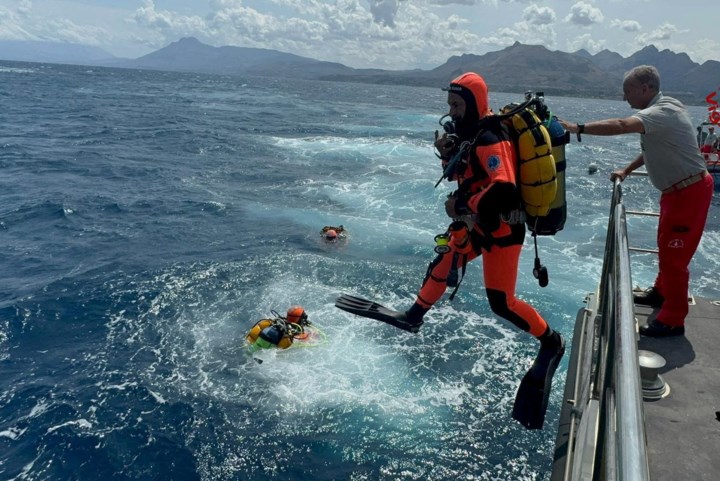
point(675, 167)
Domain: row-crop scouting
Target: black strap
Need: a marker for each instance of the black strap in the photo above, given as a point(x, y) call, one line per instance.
point(462, 273)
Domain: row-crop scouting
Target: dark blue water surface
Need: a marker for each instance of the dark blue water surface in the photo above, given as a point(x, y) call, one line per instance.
point(148, 219)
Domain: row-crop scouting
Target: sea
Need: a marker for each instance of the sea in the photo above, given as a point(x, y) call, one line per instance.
point(148, 219)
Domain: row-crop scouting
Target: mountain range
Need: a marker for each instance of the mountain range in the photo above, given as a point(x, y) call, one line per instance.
point(514, 69)
point(51, 52)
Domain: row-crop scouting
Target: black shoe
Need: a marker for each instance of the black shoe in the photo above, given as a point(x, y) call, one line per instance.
point(656, 328)
point(414, 316)
point(414, 327)
point(411, 324)
point(551, 346)
point(648, 297)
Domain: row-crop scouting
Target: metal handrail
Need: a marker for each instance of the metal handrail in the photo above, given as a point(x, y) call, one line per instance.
point(621, 421)
point(632, 461)
point(617, 447)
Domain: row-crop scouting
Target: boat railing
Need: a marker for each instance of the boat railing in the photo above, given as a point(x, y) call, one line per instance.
point(606, 435)
point(642, 213)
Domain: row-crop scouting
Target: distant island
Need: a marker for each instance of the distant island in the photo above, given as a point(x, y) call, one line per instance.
point(514, 69)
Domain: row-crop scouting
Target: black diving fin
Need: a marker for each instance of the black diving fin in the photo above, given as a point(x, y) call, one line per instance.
point(531, 401)
point(373, 310)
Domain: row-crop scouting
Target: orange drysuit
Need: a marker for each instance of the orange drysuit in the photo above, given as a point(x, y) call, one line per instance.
point(486, 195)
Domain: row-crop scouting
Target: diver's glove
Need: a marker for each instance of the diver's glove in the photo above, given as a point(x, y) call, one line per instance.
point(446, 146)
point(455, 207)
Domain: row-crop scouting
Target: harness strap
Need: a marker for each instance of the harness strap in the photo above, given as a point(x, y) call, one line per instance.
point(462, 274)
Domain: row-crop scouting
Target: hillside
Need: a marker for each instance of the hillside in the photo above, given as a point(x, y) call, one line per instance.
point(514, 69)
point(517, 68)
point(52, 52)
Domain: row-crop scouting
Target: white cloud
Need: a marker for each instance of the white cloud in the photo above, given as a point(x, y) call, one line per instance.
point(460, 2)
point(359, 33)
point(537, 15)
point(63, 30)
point(503, 37)
point(11, 26)
point(20, 24)
point(168, 22)
point(584, 14)
point(493, 3)
point(663, 32)
point(587, 42)
point(385, 34)
point(384, 11)
point(25, 7)
point(706, 49)
point(627, 25)
point(535, 28)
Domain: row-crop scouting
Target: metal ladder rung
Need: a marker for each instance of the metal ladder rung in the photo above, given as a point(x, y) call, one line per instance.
point(640, 249)
point(638, 212)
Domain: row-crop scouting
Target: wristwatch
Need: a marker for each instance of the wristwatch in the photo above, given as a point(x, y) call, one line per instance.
point(581, 128)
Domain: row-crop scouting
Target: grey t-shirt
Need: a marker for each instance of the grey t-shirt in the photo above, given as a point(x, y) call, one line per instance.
point(710, 139)
point(669, 143)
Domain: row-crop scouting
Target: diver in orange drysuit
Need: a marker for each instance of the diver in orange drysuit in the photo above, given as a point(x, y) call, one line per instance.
point(485, 209)
point(488, 221)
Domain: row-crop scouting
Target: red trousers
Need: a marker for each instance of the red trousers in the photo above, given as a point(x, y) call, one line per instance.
point(682, 220)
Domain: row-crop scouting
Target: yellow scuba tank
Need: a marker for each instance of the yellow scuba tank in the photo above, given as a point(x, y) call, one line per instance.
point(537, 173)
point(254, 333)
point(268, 333)
point(536, 143)
point(285, 342)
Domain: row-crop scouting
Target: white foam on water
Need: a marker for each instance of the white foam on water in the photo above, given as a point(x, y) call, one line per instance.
point(461, 366)
point(704, 268)
point(81, 423)
point(13, 433)
point(17, 70)
point(343, 150)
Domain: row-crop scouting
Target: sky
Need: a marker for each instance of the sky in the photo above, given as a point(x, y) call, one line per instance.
point(386, 34)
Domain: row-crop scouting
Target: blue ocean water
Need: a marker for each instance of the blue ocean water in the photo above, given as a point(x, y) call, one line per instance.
point(148, 219)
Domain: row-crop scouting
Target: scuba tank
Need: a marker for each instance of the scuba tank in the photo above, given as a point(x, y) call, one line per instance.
point(554, 220)
point(275, 335)
point(267, 333)
point(254, 333)
point(280, 331)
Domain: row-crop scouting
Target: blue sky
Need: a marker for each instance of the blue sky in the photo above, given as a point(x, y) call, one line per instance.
point(388, 34)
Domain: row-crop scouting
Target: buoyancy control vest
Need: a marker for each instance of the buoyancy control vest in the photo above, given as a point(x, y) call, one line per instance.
point(270, 333)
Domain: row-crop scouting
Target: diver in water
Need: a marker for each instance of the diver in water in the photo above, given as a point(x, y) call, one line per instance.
point(488, 223)
point(333, 234)
point(279, 332)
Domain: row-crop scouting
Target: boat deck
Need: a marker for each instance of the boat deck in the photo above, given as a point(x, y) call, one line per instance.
point(683, 429)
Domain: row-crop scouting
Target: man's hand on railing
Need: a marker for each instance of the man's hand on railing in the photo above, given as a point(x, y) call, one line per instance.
point(618, 174)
